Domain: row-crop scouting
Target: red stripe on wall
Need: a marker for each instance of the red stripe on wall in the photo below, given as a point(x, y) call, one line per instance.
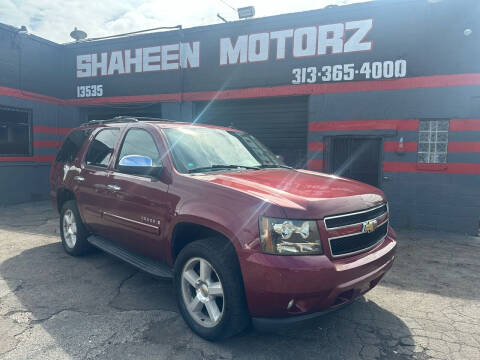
point(27, 95)
point(465, 125)
point(285, 90)
point(451, 168)
point(341, 87)
point(35, 158)
point(315, 164)
point(392, 146)
point(315, 146)
point(174, 97)
point(453, 147)
point(46, 144)
point(464, 147)
point(51, 130)
point(394, 124)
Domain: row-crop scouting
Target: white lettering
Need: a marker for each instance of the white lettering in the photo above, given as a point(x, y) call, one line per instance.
point(258, 47)
point(116, 63)
point(335, 41)
point(305, 41)
point(281, 37)
point(320, 40)
point(190, 55)
point(170, 57)
point(151, 62)
point(102, 65)
point(233, 55)
point(84, 66)
point(354, 43)
point(136, 61)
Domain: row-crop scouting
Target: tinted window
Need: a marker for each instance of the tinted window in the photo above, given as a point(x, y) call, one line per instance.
point(15, 132)
point(101, 148)
point(140, 142)
point(72, 145)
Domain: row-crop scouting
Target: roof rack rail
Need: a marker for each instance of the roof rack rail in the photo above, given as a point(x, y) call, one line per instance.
point(124, 119)
point(148, 118)
point(116, 119)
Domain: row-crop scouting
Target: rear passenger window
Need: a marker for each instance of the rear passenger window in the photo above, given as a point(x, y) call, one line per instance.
point(101, 148)
point(140, 142)
point(72, 145)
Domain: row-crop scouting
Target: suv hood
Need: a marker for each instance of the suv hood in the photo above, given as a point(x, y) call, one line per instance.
point(301, 193)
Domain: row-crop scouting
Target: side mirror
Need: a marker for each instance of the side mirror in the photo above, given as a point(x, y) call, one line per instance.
point(139, 165)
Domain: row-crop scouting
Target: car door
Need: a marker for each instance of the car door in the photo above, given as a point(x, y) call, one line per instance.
point(91, 183)
point(140, 205)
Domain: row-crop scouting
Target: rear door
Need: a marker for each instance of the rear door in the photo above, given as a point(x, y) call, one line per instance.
point(139, 207)
point(90, 186)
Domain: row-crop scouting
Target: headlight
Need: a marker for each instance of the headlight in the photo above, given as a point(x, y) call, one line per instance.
point(289, 237)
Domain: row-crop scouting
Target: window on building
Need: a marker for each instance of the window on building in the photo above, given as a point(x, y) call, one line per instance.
point(433, 141)
point(15, 132)
point(101, 148)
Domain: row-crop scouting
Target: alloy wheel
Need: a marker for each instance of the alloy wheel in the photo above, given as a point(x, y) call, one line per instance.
point(202, 292)
point(69, 228)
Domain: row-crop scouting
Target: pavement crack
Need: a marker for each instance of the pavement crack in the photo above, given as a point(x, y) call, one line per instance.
point(119, 289)
point(40, 321)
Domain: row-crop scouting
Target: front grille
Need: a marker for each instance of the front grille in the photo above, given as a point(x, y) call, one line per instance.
point(358, 242)
point(355, 218)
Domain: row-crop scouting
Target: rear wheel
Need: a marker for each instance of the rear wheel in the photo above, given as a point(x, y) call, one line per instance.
point(210, 290)
point(72, 231)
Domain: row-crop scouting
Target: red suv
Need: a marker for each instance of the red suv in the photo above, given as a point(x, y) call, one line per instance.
point(245, 237)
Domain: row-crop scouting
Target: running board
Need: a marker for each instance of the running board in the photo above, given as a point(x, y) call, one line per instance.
point(150, 266)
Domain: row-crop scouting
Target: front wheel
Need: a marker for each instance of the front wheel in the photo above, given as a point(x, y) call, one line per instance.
point(209, 289)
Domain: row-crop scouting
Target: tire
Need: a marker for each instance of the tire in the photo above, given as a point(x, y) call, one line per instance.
point(225, 269)
point(75, 242)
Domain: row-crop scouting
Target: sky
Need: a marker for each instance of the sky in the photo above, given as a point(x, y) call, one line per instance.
point(55, 19)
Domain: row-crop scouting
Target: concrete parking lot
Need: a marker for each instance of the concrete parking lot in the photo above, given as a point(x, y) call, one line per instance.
point(58, 307)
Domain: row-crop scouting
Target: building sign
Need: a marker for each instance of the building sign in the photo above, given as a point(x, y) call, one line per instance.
point(154, 58)
point(306, 41)
point(248, 48)
point(345, 44)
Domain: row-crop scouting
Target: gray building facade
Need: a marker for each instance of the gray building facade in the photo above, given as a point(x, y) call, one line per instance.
point(386, 92)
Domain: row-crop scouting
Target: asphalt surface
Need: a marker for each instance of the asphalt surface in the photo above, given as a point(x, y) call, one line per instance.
point(53, 306)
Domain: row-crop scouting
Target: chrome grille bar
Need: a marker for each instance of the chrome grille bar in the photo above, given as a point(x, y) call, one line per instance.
point(355, 218)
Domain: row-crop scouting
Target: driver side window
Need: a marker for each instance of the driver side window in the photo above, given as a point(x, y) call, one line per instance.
point(139, 142)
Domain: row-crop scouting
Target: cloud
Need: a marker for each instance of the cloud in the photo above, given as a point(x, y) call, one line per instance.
point(55, 19)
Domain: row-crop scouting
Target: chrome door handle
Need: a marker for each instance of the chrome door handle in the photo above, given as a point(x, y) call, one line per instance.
point(114, 187)
point(79, 178)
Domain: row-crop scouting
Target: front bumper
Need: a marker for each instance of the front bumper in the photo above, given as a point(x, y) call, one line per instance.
point(284, 289)
point(275, 324)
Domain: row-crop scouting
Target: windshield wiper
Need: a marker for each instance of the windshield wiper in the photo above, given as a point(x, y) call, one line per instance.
point(215, 167)
point(273, 166)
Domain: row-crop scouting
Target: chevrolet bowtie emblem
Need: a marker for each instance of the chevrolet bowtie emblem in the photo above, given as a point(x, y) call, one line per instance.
point(369, 226)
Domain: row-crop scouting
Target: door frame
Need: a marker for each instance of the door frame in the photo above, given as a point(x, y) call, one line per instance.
point(328, 155)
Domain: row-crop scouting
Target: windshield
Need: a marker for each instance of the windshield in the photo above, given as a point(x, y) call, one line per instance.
point(203, 149)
